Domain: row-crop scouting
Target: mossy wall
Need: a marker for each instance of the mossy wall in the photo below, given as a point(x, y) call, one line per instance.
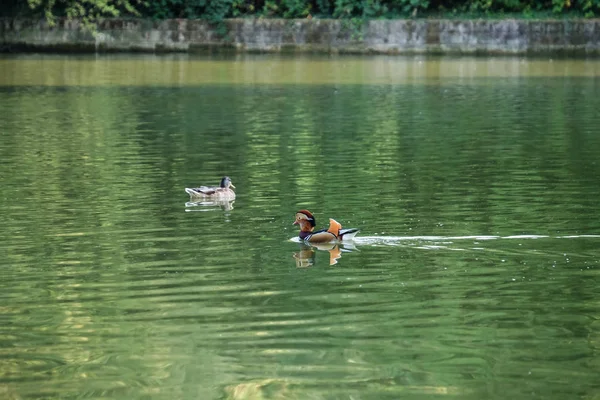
point(325, 36)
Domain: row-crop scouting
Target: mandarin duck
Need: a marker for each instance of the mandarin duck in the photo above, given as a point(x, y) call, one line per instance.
point(221, 192)
point(306, 221)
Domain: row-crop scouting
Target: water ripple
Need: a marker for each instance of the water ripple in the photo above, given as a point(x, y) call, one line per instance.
point(474, 275)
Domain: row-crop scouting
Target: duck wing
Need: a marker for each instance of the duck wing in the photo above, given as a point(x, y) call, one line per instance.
point(202, 190)
point(207, 189)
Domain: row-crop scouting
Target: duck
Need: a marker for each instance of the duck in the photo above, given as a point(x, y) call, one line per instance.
point(306, 221)
point(221, 192)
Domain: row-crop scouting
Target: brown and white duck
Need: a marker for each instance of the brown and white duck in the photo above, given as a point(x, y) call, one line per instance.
point(221, 192)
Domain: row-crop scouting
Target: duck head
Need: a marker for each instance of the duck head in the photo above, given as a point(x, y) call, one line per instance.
point(305, 220)
point(226, 183)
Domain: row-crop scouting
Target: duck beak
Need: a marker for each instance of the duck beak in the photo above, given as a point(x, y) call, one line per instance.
point(231, 184)
point(295, 222)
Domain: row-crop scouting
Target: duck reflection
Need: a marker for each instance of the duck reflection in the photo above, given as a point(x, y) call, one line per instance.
point(305, 257)
point(209, 205)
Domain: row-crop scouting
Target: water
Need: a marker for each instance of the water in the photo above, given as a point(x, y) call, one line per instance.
point(474, 182)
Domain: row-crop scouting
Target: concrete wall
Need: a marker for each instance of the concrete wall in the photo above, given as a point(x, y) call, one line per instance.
point(335, 36)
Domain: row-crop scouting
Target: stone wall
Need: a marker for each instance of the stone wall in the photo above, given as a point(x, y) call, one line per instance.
point(324, 36)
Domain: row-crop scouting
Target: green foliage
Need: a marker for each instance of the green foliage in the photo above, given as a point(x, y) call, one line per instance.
point(295, 8)
point(323, 7)
point(88, 11)
point(217, 10)
point(243, 7)
point(559, 5)
point(408, 7)
point(591, 8)
point(287, 8)
point(211, 10)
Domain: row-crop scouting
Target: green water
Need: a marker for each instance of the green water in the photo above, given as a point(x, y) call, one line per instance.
point(475, 183)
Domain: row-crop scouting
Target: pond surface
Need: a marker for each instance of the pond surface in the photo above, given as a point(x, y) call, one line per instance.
point(475, 183)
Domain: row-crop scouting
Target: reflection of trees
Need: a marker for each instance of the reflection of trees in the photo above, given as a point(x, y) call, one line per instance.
point(466, 158)
point(67, 169)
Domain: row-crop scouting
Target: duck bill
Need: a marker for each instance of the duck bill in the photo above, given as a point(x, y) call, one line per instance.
point(295, 223)
point(231, 184)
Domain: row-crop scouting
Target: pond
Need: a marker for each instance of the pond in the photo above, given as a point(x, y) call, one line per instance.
point(474, 182)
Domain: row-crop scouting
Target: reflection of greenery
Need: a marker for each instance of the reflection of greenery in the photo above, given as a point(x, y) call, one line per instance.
point(106, 264)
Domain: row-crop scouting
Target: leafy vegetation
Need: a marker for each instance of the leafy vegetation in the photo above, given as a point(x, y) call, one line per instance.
point(88, 11)
point(217, 10)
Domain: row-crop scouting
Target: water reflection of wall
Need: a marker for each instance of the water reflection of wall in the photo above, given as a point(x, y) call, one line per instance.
point(182, 70)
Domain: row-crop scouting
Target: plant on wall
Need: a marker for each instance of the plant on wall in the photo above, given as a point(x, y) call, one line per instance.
point(87, 11)
point(216, 11)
